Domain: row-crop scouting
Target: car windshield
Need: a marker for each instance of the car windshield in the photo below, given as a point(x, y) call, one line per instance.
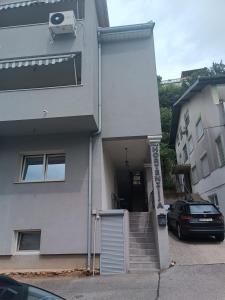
point(203, 208)
point(38, 294)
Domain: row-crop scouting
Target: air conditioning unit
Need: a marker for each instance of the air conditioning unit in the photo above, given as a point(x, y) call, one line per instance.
point(62, 23)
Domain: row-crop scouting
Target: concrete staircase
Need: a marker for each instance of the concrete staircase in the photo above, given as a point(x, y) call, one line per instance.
point(143, 255)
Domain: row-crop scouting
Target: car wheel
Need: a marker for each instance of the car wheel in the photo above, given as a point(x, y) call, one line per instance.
point(179, 232)
point(220, 237)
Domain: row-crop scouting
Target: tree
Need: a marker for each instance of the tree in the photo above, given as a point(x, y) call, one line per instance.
point(217, 69)
point(168, 94)
point(194, 76)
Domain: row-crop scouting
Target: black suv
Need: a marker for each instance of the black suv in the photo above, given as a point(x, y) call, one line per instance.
point(196, 218)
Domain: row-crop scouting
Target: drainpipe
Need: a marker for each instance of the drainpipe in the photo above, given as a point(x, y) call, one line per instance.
point(89, 227)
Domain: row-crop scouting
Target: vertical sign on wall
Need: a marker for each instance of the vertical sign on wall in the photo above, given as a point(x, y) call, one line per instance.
point(156, 172)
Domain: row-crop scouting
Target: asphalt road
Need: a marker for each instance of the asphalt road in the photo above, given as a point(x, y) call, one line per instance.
point(181, 282)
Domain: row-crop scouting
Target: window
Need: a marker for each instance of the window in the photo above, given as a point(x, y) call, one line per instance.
point(199, 129)
point(186, 119)
point(34, 293)
point(220, 151)
point(190, 145)
point(137, 178)
point(185, 153)
point(28, 240)
point(214, 199)
point(178, 140)
point(45, 167)
point(49, 73)
point(203, 208)
point(205, 165)
point(180, 133)
point(194, 174)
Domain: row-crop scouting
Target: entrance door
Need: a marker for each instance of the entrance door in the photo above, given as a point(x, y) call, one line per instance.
point(131, 191)
point(138, 195)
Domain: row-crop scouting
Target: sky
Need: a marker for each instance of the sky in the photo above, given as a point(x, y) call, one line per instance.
point(188, 34)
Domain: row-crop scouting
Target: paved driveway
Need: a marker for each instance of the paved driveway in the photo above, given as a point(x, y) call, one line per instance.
point(191, 252)
point(179, 283)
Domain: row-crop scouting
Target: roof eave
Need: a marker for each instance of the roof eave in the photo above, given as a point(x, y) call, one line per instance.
point(199, 84)
point(102, 12)
point(128, 32)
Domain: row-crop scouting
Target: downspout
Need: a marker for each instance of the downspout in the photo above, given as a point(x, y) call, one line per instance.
point(89, 227)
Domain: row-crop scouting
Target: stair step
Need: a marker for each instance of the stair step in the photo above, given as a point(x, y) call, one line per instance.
point(140, 240)
point(138, 234)
point(143, 266)
point(144, 246)
point(143, 258)
point(134, 228)
point(141, 251)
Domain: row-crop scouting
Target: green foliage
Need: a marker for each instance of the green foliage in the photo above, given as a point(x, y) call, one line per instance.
point(166, 115)
point(194, 76)
point(168, 94)
point(217, 69)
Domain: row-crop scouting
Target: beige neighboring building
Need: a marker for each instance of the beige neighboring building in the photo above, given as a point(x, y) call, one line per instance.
point(198, 136)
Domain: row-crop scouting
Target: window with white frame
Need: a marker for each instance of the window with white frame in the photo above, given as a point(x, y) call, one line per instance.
point(214, 199)
point(28, 240)
point(199, 129)
point(185, 153)
point(178, 140)
point(194, 174)
point(186, 118)
point(220, 150)
point(190, 145)
point(205, 165)
point(43, 167)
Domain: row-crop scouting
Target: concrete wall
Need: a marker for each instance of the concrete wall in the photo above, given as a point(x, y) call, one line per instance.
point(59, 209)
point(213, 184)
point(129, 89)
point(108, 177)
point(44, 262)
point(35, 40)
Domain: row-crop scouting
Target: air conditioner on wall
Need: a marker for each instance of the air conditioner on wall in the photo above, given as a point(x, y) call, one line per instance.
point(62, 23)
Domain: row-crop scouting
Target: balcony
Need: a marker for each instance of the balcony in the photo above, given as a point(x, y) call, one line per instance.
point(46, 110)
point(44, 95)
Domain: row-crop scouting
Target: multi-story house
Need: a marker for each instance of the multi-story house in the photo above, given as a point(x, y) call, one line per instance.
point(198, 136)
point(79, 140)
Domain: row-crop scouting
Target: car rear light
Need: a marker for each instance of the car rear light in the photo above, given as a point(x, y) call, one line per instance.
point(185, 218)
point(219, 218)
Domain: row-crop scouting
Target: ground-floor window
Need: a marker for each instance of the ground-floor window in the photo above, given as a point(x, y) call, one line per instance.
point(28, 240)
point(43, 167)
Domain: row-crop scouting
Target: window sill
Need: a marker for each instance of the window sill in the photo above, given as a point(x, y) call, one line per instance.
point(199, 139)
point(27, 253)
point(41, 181)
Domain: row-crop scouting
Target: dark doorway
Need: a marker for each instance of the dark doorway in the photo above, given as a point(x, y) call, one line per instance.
point(131, 191)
